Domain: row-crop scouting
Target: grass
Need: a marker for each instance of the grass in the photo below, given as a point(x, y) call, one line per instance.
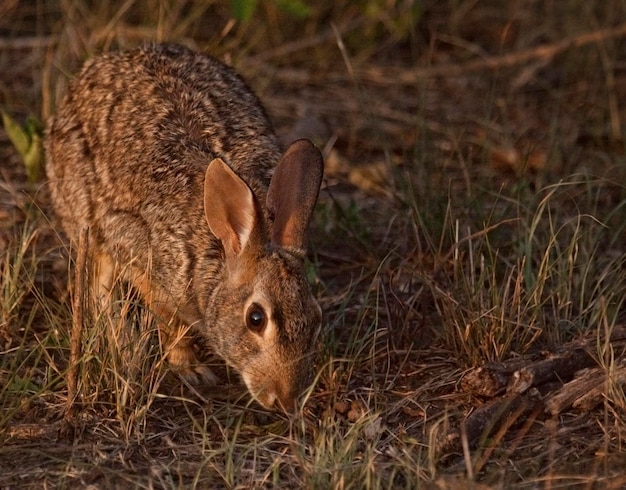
point(466, 219)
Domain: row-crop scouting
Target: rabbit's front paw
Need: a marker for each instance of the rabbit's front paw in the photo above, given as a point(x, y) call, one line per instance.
point(200, 374)
point(185, 363)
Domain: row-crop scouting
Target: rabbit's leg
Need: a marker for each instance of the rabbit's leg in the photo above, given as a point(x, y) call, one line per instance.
point(181, 353)
point(177, 341)
point(102, 278)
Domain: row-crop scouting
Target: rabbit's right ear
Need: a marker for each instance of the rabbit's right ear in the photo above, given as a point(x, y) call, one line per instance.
point(228, 207)
point(293, 193)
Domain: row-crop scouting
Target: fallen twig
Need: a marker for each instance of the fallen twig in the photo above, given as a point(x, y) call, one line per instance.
point(585, 391)
point(533, 384)
point(519, 374)
point(496, 416)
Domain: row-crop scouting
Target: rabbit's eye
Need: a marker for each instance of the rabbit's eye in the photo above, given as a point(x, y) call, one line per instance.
point(256, 319)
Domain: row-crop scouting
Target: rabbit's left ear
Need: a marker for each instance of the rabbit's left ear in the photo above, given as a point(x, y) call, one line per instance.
point(293, 193)
point(229, 207)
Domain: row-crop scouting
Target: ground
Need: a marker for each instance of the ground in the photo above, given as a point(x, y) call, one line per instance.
point(472, 215)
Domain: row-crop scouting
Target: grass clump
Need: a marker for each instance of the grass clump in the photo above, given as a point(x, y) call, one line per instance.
point(533, 279)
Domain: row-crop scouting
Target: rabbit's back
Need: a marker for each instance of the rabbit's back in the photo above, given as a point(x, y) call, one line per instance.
point(131, 142)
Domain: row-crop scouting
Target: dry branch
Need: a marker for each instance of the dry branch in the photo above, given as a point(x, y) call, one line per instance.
point(393, 76)
point(493, 416)
point(519, 374)
point(595, 396)
point(561, 366)
point(545, 374)
point(585, 391)
point(493, 378)
point(544, 52)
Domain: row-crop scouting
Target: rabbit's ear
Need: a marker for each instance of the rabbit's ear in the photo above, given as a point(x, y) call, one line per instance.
point(228, 206)
point(293, 192)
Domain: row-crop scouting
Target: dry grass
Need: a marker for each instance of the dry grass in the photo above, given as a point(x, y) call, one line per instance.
point(471, 214)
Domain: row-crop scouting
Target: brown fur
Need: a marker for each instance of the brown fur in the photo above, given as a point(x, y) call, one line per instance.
point(157, 151)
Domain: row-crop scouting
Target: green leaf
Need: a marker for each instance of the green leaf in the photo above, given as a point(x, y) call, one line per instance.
point(242, 10)
point(32, 158)
point(27, 142)
point(294, 7)
point(17, 134)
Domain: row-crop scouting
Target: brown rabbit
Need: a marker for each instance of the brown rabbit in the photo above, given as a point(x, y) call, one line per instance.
point(169, 159)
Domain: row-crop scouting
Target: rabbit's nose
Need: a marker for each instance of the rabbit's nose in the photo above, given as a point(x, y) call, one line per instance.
point(278, 397)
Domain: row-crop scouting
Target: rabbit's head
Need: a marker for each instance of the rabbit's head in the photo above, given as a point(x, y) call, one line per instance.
point(262, 318)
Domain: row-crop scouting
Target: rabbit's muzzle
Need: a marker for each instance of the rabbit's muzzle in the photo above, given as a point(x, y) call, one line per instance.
point(280, 386)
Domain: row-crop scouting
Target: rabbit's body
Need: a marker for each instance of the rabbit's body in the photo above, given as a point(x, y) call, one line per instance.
point(128, 156)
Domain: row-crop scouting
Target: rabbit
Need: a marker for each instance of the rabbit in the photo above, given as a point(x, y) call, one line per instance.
point(169, 159)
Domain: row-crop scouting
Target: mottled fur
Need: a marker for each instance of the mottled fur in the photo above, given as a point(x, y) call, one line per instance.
point(128, 156)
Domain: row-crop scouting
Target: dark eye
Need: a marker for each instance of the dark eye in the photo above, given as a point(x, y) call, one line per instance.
point(256, 319)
